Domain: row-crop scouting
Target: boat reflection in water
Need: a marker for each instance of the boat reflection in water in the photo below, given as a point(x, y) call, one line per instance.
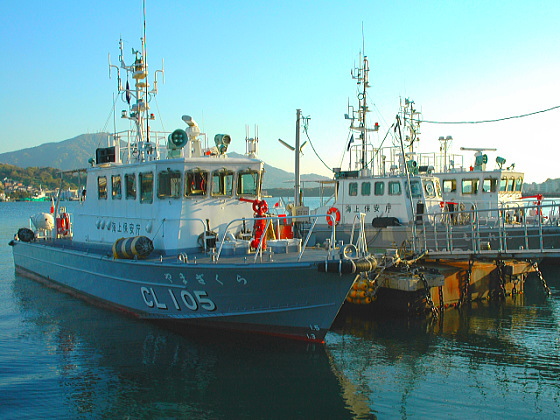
point(98, 363)
point(487, 359)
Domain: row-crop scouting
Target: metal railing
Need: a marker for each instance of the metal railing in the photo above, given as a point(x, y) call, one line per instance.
point(514, 228)
point(307, 219)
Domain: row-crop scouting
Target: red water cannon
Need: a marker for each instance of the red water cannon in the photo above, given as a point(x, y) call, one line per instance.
point(260, 207)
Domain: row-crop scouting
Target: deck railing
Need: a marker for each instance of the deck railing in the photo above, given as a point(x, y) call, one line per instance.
point(513, 228)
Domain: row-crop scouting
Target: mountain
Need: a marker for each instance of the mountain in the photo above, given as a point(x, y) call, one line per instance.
point(68, 154)
point(75, 152)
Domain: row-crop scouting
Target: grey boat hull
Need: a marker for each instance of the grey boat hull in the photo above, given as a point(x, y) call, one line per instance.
point(290, 299)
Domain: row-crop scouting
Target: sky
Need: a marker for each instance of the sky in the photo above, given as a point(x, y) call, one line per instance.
point(253, 63)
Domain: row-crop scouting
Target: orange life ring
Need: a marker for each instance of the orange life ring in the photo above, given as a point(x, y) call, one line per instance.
point(336, 212)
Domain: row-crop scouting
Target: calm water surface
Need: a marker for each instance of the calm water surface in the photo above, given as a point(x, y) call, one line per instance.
point(63, 358)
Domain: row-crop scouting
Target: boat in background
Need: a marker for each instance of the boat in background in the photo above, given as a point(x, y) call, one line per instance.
point(406, 201)
point(448, 252)
point(472, 185)
point(173, 230)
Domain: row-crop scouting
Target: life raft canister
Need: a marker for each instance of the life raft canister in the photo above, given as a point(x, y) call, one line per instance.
point(336, 212)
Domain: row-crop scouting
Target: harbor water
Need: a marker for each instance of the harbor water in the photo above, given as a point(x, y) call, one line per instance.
point(61, 357)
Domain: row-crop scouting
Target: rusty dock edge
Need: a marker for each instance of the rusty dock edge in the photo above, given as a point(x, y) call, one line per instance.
point(440, 284)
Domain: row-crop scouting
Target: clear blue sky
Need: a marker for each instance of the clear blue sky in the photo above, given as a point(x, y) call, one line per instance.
point(232, 63)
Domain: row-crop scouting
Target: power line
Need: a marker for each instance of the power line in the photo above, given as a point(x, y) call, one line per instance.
point(488, 121)
point(311, 143)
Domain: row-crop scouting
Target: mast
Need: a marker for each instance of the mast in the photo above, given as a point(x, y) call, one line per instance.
point(358, 117)
point(411, 122)
point(139, 95)
point(363, 79)
point(297, 200)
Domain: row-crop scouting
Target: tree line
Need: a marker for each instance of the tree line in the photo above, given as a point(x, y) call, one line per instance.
point(46, 178)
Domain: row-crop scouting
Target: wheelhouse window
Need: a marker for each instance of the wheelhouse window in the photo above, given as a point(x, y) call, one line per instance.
point(169, 184)
point(116, 187)
point(510, 184)
point(366, 188)
point(130, 186)
point(430, 188)
point(196, 181)
point(248, 182)
point(146, 187)
point(395, 188)
point(222, 183)
point(353, 189)
point(469, 186)
point(503, 184)
point(449, 185)
point(379, 188)
point(102, 187)
point(415, 189)
point(518, 184)
point(489, 185)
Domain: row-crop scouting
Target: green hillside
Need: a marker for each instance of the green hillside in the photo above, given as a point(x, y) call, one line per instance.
point(46, 178)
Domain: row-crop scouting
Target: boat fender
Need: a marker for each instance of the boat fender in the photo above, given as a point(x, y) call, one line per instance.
point(25, 235)
point(347, 266)
point(334, 211)
point(381, 222)
point(134, 247)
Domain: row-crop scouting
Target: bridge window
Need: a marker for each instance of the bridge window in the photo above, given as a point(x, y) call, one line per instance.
point(449, 185)
point(415, 189)
point(196, 181)
point(395, 188)
point(169, 184)
point(353, 189)
point(102, 187)
point(469, 186)
point(248, 182)
point(222, 183)
point(518, 184)
point(510, 184)
point(489, 185)
point(366, 188)
point(130, 186)
point(379, 188)
point(503, 184)
point(147, 187)
point(116, 187)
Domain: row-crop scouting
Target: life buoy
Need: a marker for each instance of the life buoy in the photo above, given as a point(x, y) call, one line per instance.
point(336, 212)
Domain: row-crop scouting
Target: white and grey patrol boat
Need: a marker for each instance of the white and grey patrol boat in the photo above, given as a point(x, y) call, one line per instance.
point(172, 229)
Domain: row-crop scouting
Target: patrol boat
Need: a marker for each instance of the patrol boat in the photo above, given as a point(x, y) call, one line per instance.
point(172, 229)
point(384, 184)
point(398, 193)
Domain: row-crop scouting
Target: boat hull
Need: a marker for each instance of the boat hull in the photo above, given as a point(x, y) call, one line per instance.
point(285, 299)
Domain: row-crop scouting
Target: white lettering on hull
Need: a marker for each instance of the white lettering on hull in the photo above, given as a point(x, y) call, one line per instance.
point(195, 300)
